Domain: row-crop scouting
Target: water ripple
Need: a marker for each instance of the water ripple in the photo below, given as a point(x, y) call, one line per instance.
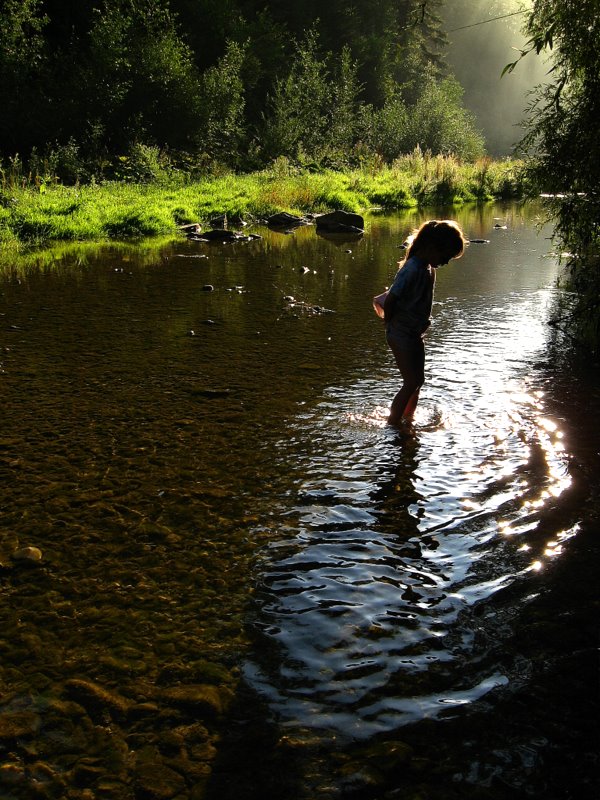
point(369, 610)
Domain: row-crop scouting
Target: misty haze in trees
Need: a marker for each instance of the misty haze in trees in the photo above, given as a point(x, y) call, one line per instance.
point(477, 54)
point(239, 83)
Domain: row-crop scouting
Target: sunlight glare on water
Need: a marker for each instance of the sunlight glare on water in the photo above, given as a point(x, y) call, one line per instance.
point(370, 609)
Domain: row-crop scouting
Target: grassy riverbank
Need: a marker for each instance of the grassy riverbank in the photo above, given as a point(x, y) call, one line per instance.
point(39, 213)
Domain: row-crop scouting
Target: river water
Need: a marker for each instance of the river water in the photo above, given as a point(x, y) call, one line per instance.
point(194, 437)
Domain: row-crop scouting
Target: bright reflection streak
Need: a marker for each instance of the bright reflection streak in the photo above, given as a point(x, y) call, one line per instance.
point(521, 398)
point(564, 535)
point(544, 466)
point(540, 466)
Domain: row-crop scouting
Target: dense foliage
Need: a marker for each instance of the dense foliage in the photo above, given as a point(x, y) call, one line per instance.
point(564, 151)
point(84, 84)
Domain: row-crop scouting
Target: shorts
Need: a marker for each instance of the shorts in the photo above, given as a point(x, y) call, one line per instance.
point(399, 340)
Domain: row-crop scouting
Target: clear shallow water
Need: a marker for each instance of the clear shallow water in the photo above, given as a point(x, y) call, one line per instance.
point(368, 606)
point(209, 477)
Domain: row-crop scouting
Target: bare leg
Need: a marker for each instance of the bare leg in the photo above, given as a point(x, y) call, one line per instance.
point(411, 364)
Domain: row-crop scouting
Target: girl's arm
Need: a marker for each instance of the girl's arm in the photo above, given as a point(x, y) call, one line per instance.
point(389, 307)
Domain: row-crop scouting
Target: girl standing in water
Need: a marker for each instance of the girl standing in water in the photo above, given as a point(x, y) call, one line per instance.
point(407, 307)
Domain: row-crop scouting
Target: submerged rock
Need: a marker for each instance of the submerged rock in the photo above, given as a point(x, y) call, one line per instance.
point(11, 775)
point(285, 220)
point(18, 725)
point(28, 555)
point(221, 235)
point(205, 698)
point(156, 780)
point(96, 699)
point(201, 672)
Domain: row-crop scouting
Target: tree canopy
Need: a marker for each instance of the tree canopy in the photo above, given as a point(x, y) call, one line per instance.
point(238, 82)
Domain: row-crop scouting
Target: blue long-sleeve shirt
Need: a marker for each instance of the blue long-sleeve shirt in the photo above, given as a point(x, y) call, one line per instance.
point(413, 292)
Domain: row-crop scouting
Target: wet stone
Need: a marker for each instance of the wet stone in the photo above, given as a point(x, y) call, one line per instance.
point(57, 709)
point(18, 724)
point(110, 789)
point(96, 699)
point(194, 769)
point(194, 734)
point(210, 700)
point(28, 555)
point(198, 671)
point(285, 220)
point(124, 666)
point(84, 774)
point(158, 782)
point(11, 775)
point(143, 711)
point(153, 778)
point(62, 740)
point(203, 753)
point(44, 782)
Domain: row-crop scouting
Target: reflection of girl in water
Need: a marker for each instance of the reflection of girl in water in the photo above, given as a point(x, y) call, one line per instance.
point(407, 307)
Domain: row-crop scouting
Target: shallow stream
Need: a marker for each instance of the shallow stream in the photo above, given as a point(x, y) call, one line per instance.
point(194, 437)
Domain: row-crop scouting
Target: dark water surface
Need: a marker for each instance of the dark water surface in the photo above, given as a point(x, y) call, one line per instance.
point(249, 585)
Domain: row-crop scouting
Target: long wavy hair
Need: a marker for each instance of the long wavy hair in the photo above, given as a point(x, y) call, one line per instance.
point(444, 234)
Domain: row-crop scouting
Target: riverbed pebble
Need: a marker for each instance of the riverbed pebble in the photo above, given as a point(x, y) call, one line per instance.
point(155, 780)
point(29, 555)
point(210, 700)
point(18, 724)
point(96, 699)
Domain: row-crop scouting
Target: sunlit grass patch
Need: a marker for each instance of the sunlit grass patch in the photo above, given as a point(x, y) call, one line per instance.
point(32, 215)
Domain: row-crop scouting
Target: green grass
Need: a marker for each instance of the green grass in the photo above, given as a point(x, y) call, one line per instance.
point(32, 215)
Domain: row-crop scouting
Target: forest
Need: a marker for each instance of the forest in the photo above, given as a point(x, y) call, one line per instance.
point(85, 84)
